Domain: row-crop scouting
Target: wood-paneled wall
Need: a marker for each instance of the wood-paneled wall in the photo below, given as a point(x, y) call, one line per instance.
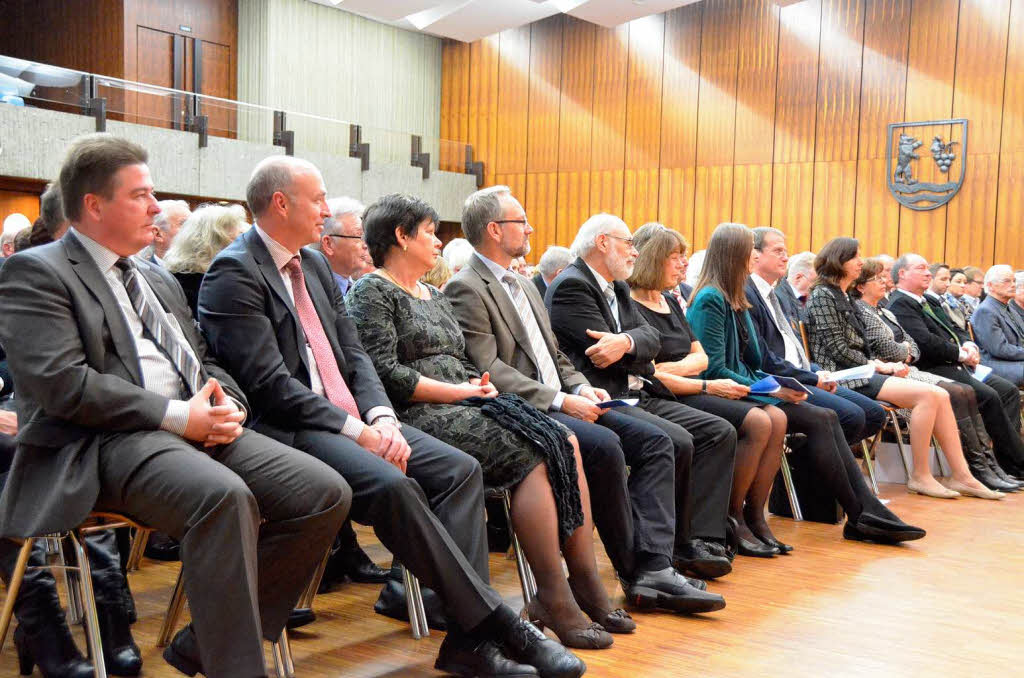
point(742, 110)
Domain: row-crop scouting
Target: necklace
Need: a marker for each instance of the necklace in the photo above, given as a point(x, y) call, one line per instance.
point(414, 292)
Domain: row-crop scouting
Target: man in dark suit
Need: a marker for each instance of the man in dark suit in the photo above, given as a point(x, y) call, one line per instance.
point(272, 310)
point(122, 409)
point(860, 416)
point(508, 335)
point(554, 259)
point(998, 331)
point(794, 288)
point(608, 340)
point(949, 353)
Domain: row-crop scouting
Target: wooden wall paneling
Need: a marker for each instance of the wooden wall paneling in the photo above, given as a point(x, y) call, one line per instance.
point(155, 66)
point(514, 97)
point(1010, 203)
point(681, 83)
point(978, 96)
point(883, 88)
point(455, 65)
point(216, 65)
point(643, 120)
point(755, 113)
point(716, 116)
point(543, 132)
point(482, 130)
point(608, 157)
point(931, 62)
point(795, 116)
point(18, 201)
point(836, 124)
point(575, 124)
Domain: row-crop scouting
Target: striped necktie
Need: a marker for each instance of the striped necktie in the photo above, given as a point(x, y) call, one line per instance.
point(158, 327)
point(545, 365)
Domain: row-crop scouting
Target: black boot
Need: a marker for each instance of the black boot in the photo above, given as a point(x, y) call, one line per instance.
point(990, 454)
point(120, 653)
point(977, 459)
point(52, 649)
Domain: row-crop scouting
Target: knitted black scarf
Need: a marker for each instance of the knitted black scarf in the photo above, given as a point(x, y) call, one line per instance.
point(522, 418)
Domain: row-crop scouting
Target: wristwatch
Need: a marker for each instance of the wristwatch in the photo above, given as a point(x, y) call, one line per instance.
point(703, 386)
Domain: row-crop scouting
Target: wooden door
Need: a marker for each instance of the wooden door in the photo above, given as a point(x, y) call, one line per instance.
point(213, 77)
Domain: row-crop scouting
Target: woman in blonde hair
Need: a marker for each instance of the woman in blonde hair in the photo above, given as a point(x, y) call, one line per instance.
point(204, 234)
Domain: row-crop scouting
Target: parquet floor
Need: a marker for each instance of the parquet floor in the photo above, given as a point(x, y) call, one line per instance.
point(951, 604)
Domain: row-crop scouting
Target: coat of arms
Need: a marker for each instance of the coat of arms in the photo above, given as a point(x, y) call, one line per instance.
point(924, 183)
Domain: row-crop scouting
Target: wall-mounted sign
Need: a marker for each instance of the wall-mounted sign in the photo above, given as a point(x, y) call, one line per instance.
point(926, 161)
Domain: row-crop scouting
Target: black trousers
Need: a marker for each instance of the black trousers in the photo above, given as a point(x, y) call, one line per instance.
point(705, 452)
point(431, 518)
point(829, 454)
point(634, 511)
point(999, 404)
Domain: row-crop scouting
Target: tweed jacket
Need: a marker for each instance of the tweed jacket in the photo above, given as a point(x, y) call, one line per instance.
point(880, 327)
point(834, 332)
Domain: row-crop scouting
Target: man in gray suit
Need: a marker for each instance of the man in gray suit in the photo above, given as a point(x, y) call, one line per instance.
point(122, 410)
point(508, 335)
point(998, 331)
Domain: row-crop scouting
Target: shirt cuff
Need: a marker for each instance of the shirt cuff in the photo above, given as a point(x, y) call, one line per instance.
point(964, 353)
point(352, 428)
point(379, 411)
point(176, 417)
point(556, 403)
point(632, 344)
point(971, 344)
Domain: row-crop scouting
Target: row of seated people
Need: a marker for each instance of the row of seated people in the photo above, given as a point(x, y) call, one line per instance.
point(417, 400)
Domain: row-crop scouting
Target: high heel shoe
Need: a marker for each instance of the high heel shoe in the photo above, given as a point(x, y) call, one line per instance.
point(590, 637)
point(613, 621)
point(53, 650)
point(120, 653)
point(967, 490)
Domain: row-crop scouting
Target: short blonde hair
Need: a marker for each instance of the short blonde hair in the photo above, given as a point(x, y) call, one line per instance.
point(654, 243)
point(439, 275)
point(204, 234)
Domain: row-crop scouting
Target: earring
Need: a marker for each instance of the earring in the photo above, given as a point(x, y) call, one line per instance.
point(405, 248)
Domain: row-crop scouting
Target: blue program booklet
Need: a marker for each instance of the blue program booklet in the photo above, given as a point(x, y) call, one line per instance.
point(618, 402)
point(765, 386)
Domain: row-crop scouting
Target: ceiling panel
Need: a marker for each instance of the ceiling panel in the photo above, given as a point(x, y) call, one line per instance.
point(481, 18)
point(611, 13)
point(382, 10)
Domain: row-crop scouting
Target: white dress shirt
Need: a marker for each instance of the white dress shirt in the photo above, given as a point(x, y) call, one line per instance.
point(352, 428)
point(764, 288)
point(158, 372)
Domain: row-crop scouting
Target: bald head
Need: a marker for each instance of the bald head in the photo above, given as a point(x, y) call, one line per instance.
point(289, 200)
point(910, 273)
point(274, 175)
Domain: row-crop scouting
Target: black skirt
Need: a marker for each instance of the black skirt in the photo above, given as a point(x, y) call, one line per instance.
point(733, 411)
point(874, 385)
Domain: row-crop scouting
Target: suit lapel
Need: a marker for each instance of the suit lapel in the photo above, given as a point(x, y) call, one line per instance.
point(272, 275)
point(505, 306)
point(87, 271)
point(602, 302)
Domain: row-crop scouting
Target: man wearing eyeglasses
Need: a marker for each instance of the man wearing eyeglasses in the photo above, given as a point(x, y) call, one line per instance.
point(999, 331)
point(342, 242)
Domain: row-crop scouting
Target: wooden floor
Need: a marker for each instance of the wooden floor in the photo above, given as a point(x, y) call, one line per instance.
point(951, 604)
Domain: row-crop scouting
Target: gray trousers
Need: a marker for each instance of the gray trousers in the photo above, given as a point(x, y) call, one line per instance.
point(242, 577)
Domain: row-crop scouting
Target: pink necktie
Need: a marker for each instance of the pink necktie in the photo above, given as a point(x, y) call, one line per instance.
point(335, 388)
point(679, 298)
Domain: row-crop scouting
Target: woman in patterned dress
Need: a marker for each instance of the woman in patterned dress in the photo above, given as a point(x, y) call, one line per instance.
point(410, 332)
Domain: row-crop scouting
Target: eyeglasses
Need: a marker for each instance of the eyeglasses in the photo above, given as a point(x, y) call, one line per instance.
point(339, 235)
point(628, 241)
point(524, 222)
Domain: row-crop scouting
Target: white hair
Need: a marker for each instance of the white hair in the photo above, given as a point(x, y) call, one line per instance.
point(166, 207)
point(457, 253)
point(696, 266)
point(586, 237)
point(800, 263)
point(554, 259)
point(997, 271)
point(14, 224)
point(341, 208)
point(1018, 279)
point(885, 259)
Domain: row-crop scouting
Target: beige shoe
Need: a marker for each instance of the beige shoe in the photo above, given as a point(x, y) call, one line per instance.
point(983, 493)
point(940, 493)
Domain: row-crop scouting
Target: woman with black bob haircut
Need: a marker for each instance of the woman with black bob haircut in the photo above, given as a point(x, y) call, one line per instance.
point(409, 330)
point(721, 323)
point(839, 340)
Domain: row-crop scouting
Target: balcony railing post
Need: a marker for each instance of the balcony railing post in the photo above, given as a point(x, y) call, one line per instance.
point(474, 168)
point(356, 147)
point(283, 137)
point(418, 158)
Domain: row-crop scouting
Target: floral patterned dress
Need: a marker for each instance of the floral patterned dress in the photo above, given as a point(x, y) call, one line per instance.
point(408, 338)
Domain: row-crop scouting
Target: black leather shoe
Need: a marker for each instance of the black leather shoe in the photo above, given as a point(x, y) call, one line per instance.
point(120, 653)
point(755, 549)
point(882, 530)
point(53, 649)
point(522, 642)
point(783, 549)
point(482, 661)
point(162, 547)
point(1003, 476)
point(669, 590)
point(183, 652)
point(358, 567)
point(300, 616)
point(697, 558)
